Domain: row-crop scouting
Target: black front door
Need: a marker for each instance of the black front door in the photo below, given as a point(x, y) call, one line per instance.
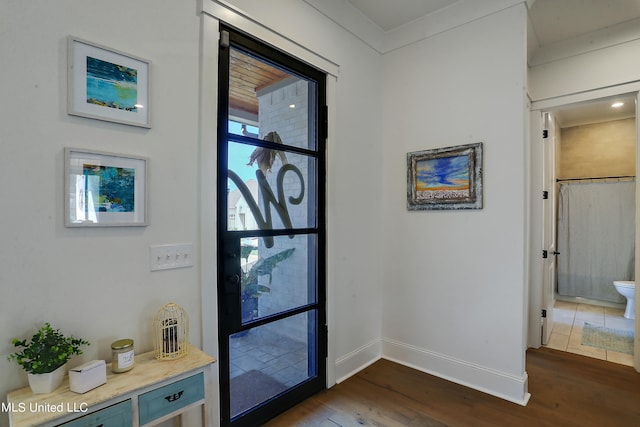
point(271, 228)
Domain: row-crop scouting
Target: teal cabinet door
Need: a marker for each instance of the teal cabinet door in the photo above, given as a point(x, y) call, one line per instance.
point(170, 398)
point(117, 415)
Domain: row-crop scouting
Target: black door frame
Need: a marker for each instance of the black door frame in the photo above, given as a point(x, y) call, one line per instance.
point(229, 306)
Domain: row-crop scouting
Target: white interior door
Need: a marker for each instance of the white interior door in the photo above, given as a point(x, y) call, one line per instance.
point(548, 226)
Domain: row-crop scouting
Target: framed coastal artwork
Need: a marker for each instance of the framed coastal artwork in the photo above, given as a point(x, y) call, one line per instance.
point(105, 84)
point(104, 189)
point(445, 178)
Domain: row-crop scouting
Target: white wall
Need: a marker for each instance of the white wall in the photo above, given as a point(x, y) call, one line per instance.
point(454, 282)
point(93, 283)
point(45, 265)
point(447, 286)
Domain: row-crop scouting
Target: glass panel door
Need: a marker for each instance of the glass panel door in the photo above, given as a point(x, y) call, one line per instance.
point(271, 286)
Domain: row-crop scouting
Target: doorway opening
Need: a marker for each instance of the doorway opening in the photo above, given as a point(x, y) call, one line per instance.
point(592, 229)
point(272, 332)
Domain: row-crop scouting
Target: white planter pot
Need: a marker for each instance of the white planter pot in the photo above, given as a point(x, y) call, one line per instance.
point(46, 383)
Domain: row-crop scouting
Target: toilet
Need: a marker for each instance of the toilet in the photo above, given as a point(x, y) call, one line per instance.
point(628, 290)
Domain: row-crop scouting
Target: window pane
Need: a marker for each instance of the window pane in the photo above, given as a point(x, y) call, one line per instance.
point(279, 278)
point(267, 360)
point(281, 180)
point(271, 99)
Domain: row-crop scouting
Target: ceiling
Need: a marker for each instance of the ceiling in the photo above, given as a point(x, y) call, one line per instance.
point(389, 15)
point(596, 111)
point(555, 20)
point(247, 77)
point(551, 21)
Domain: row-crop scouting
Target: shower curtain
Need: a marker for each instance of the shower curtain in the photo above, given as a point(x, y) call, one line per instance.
point(596, 238)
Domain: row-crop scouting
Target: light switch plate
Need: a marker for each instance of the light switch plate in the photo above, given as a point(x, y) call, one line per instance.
point(166, 257)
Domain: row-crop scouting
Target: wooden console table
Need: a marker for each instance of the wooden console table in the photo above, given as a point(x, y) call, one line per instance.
point(152, 392)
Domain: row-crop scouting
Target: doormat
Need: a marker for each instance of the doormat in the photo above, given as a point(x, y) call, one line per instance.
point(607, 338)
point(251, 389)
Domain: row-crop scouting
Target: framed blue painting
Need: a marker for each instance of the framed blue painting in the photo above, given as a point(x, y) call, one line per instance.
point(105, 84)
point(445, 178)
point(104, 189)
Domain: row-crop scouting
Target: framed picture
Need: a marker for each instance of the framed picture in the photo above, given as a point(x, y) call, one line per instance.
point(104, 189)
point(445, 178)
point(107, 85)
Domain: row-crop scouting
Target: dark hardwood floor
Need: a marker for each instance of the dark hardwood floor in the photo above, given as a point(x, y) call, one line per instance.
point(566, 390)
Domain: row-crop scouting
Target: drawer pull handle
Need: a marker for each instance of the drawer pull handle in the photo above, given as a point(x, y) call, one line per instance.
point(175, 396)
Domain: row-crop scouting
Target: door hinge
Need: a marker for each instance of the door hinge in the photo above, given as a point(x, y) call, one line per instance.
point(324, 122)
point(325, 339)
point(545, 254)
point(545, 134)
point(545, 195)
point(224, 39)
point(544, 313)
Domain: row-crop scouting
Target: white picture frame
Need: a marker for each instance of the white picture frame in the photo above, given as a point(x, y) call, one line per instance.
point(106, 84)
point(104, 189)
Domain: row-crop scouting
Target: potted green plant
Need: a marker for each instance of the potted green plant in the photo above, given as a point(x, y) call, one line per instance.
point(251, 289)
point(45, 356)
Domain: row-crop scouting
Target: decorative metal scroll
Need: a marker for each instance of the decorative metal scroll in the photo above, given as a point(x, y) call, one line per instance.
point(269, 199)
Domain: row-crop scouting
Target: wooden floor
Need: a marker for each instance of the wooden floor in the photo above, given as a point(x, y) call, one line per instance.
point(566, 390)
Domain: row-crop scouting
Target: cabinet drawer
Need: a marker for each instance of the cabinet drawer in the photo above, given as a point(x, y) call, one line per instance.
point(117, 415)
point(164, 400)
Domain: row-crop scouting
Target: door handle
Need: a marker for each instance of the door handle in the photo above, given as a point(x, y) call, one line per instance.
point(174, 397)
point(545, 253)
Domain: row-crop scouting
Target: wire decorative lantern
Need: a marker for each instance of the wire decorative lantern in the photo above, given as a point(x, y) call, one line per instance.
point(171, 327)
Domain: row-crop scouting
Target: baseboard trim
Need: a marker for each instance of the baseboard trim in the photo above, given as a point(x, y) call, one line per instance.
point(481, 378)
point(357, 360)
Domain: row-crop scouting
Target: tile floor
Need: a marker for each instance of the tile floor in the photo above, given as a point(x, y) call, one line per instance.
point(569, 318)
point(282, 358)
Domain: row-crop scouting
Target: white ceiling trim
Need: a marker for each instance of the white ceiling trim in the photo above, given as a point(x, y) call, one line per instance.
point(393, 14)
point(445, 19)
point(352, 20)
point(607, 37)
point(234, 16)
point(355, 22)
point(570, 100)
